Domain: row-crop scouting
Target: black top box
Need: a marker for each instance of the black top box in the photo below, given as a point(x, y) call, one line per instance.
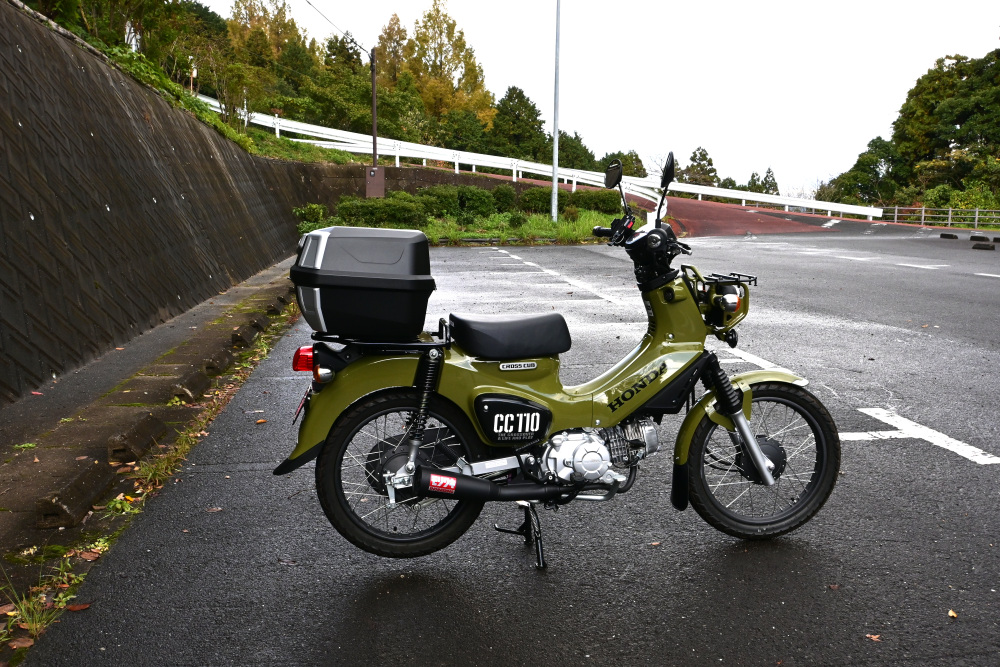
point(364, 284)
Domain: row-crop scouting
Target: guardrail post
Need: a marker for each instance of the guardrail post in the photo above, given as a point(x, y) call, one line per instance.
point(949, 216)
point(425, 162)
point(922, 210)
point(574, 184)
point(397, 158)
point(277, 126)
point(743, 202)
point(975, 225)
point(895, 214)
point(699, 196)
point(473, 169)
point(786, 208)
point(456, 166)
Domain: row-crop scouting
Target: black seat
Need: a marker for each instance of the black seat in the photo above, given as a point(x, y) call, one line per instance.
point(499, 337)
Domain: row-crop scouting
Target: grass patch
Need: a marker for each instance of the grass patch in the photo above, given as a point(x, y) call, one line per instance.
point(26, 445)
point(268, 145)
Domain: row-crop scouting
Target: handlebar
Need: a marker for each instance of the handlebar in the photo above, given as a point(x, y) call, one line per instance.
point(602, 232)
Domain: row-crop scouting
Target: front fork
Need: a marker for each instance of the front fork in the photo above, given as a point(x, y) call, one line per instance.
point(732, 407)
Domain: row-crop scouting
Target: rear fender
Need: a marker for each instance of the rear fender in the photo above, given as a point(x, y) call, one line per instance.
point(706, 408)
point(362, 378)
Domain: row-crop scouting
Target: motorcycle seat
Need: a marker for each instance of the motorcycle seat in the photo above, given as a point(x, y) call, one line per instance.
point(501, 337)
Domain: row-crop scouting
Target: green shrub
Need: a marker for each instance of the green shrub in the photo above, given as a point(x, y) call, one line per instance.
point(445, 199)
point(476, 201)
point(312, 213)
point(571, 213)
point(466, 219)
point(938, 197)
point(517, 220)
point(504, 197)
point(403, 211)
point(539, 200)
point(602, 201)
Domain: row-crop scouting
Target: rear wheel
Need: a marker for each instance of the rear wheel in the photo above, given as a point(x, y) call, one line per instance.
point(369, 441)
point(796, 432)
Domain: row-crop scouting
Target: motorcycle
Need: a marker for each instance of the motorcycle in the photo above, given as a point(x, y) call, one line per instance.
point(414, 431)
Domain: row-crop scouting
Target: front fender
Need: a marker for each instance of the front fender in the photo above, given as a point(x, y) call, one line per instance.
point(706, 408)
point(363, 377)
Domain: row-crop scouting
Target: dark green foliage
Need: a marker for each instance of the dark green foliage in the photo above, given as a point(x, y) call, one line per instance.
point(504, 197)
point(517, 127)
point(476, 201)
point(312, 212)
point(465, 219)
point(631, 163)
point(395, 210)
point(701, 171)
point(445, 200)
point(571, 213)
point(602, 201)
point(539, 200)
point(573, 153)
point(517, 220)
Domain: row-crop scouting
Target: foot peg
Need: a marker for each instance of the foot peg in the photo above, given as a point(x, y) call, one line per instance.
point(531, 530)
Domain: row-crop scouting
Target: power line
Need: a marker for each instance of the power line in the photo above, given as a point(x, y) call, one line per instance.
point(347, 34)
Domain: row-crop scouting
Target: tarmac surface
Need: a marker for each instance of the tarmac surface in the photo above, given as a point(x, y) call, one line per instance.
point(231, 565)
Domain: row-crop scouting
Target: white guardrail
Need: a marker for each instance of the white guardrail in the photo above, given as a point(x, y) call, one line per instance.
point(645, 188)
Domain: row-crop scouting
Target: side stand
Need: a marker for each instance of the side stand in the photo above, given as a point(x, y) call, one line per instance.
point(531, 530)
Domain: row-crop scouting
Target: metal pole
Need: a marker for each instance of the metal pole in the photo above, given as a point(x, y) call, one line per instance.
point(555, 131)
point(374, 115)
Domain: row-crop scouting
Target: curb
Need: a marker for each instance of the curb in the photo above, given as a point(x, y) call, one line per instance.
point(72, 467)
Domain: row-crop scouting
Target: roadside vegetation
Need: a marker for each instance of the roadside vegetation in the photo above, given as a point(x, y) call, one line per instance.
point(451, 214)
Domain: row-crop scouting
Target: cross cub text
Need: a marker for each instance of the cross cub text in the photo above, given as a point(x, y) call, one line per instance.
point(414, 431)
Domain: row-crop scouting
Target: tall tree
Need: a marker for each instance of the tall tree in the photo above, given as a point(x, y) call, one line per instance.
point(391, 53)
point(631, 163)
point(444, 67)
point(517, 127)
point(701, 171)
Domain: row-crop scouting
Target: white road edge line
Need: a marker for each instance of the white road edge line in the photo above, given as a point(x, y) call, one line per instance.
point(915, 430)
point(988, 275)
point(931, 266)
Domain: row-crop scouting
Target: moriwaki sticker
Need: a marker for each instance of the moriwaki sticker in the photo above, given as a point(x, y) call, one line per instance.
point(443, 483)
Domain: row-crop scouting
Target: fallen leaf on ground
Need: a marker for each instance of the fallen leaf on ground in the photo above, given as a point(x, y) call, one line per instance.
point(261, 421)
point(21, 642)
point(82, 458)
point(951, 612)
point(36, 460)
point(874, 638)
point(77, 607)
point(924, 326)
point(7, 608)
point(123, 470)
point(89, 555)
point(214, 509)
point(834, 587)
point(654, 544)
point(37, 393)
point(119, 348)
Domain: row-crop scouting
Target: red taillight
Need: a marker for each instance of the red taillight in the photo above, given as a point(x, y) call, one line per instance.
point(303, 359)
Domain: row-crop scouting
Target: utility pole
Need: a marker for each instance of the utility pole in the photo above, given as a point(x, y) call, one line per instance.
point(555, 131)
point(374, 115)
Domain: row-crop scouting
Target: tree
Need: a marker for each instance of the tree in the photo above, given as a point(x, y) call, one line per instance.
point(631, 163)
point(701, 171)
point(517, 127)
point(343, 52)
point(573, 153)
point(769, 185)
point(444, 67)
point(391, 50)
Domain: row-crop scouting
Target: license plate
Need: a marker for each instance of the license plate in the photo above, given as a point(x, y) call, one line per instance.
point(302, 404)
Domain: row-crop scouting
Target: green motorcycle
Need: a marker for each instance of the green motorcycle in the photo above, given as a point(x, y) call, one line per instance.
point(414, 431)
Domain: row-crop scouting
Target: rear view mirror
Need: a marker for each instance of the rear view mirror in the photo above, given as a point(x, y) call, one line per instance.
point(668, 171)
point(613, 174)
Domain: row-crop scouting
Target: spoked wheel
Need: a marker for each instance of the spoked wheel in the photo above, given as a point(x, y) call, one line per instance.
point(797, 434)
point(370, 441)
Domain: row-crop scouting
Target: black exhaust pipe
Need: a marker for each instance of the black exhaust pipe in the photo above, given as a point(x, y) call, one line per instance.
point(433, 483)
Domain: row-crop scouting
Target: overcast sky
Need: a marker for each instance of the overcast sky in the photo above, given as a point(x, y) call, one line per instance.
point(800, 87)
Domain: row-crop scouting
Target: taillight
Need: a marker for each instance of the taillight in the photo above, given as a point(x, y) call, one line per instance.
point(303, 359)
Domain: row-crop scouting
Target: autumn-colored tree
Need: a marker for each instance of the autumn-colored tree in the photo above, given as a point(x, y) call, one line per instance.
point(444, 67)
point(391, 53)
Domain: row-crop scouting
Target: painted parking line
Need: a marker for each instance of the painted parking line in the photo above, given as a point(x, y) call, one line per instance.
point(911, 429)
point(928, 266)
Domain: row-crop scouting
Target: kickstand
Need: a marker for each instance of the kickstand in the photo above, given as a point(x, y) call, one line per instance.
point(531, 530)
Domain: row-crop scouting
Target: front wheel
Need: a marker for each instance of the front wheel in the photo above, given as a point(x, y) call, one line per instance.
point(797, 434)
point(369, 441)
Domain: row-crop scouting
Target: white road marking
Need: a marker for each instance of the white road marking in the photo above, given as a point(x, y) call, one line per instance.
point(831, 223)
point(856, 259)
point(929, 266)
point(915, 430)
point(572, 281)
point(988, 275)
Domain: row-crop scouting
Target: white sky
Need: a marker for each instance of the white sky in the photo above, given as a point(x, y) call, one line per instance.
point(800, 87)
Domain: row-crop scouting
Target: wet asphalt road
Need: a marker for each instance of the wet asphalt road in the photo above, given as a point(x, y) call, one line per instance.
point(910, 533)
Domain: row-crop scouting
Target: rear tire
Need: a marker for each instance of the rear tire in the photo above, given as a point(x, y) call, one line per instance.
point(366, 442)
point(791, 425)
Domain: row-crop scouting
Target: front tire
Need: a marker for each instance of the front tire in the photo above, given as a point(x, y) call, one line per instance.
point(798, 434)
point(368, 441)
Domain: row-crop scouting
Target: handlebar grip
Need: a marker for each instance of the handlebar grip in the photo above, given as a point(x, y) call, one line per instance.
point(602, 232)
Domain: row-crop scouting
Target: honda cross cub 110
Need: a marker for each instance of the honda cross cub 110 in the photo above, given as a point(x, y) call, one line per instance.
point(414, 431)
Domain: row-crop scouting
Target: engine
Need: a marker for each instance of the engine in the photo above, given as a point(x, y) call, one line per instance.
point(587, 454)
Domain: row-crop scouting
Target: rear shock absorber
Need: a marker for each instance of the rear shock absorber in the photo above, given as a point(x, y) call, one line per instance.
point(428, 374)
